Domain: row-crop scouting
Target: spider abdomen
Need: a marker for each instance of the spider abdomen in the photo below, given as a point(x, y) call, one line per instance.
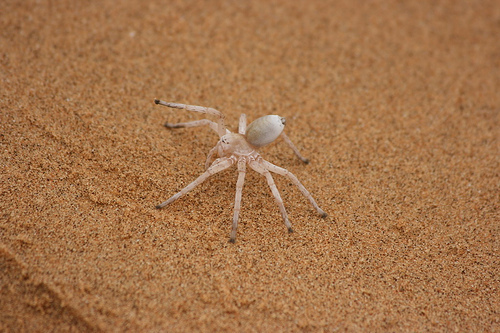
point(265, 130)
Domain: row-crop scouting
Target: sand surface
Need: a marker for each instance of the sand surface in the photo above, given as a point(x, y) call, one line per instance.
point(395, 103)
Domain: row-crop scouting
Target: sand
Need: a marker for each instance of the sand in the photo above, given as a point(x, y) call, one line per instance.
point(395, 103)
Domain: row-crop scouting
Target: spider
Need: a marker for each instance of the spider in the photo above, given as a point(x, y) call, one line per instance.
point(241, 149)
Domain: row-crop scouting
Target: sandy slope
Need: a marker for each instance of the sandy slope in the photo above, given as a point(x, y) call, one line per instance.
point(396, 104)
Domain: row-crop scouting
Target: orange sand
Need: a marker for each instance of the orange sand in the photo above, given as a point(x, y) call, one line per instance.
point(396, 104)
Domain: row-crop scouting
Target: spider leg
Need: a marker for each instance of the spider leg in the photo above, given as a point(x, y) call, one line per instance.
point(242, 127)
point(260, 168)
point(196, 123)
point(219, 165)
point(284, 172)
point(237, 199)
point(221, 128)
point(295, 150)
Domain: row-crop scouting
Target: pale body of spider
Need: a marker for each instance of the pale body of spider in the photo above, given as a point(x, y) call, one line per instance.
point(241, 149)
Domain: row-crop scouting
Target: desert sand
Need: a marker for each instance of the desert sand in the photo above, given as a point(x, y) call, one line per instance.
point(395, 103)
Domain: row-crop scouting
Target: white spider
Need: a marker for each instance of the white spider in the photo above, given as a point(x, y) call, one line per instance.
point(241, 148)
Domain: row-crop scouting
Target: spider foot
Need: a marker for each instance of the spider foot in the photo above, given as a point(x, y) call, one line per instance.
point(324, 215)
point(232, 240)
point(290, 230)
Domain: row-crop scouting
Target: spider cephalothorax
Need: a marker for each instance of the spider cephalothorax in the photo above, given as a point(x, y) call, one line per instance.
point(241, 149)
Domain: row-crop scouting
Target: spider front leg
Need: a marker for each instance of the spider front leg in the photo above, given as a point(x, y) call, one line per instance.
point(195, 123)
point(220, 128)
point(237, 200)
